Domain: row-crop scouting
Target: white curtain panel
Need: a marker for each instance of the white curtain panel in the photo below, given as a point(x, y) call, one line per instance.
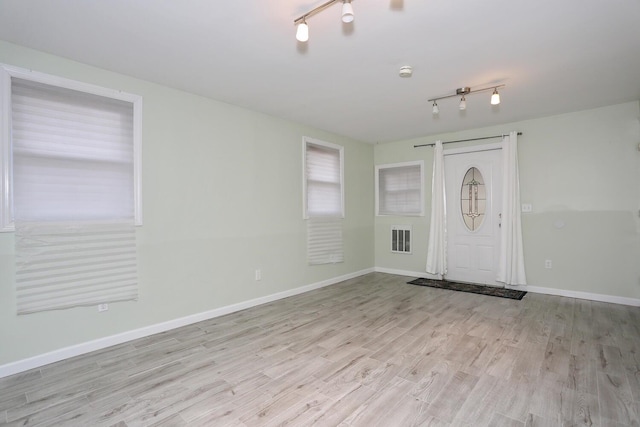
point(436, 251)
point(511, 264)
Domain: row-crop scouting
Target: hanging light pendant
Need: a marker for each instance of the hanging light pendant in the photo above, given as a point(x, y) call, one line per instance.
point(347, 11)
point(495, 97)
point(436, 110)
point(302, 32)
point(463, 103)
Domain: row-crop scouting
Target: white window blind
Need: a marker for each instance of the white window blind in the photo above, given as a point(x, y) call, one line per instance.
point(323, 177)
point(399, 189)
point(324, 205)
point(73, 197)
point(324, 241)
point(68, 264)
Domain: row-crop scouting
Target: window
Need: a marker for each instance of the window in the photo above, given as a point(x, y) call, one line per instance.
point(473, 199)
point(37, 113)
point(70, 189)
point(400, 189)
point(323, 172)
point(323, 197)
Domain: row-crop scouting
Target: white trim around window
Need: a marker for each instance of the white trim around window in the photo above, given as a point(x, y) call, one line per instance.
point(7, 73)
point(402, 192)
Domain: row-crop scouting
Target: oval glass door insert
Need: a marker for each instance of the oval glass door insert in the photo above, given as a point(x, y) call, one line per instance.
point(473, 199)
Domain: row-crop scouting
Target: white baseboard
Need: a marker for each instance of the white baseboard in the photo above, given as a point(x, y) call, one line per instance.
point(581, 295)
point(100, 343)
point(534, 289)
point(407, 273)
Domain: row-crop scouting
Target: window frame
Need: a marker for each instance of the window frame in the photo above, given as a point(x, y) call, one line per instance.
point(8, 72)
point(378, 168)
point(306, 141)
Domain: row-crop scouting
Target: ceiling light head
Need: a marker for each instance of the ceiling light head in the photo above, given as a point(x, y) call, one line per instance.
point(347, 11)
point(436, 110)
point(302, 32)
point(463, 103)
point(495, 97)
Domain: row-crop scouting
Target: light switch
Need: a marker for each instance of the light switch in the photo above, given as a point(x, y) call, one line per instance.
point(526, 207)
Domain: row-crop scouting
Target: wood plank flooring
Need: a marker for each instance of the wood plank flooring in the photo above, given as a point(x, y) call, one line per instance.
point(372, 351)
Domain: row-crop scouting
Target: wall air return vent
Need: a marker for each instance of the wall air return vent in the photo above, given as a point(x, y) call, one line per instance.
point(401, 239)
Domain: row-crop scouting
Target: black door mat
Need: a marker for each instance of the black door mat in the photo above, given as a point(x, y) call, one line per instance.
point(466, 287)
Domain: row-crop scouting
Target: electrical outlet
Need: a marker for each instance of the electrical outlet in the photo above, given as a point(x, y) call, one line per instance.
point(527, 207)
point(103, 307)
point(258, 274)
point(548, 263)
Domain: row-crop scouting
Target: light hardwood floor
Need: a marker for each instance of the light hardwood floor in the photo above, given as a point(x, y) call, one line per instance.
point(371, 351)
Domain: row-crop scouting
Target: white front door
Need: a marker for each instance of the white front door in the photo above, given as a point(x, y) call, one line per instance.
point(473, 186)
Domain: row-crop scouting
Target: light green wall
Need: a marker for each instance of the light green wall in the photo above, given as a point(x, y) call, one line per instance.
point(222, 196)
point(582, 168)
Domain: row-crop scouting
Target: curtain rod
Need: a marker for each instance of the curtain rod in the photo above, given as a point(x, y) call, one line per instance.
point(464, 140)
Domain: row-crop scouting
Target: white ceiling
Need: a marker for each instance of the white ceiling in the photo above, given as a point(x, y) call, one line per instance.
point(554, 56)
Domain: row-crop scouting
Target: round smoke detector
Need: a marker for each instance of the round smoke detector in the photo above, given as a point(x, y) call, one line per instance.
point(406, 71)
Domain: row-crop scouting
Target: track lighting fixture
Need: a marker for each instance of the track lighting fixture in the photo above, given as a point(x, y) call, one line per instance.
point(462, 92)
point(302, 32)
